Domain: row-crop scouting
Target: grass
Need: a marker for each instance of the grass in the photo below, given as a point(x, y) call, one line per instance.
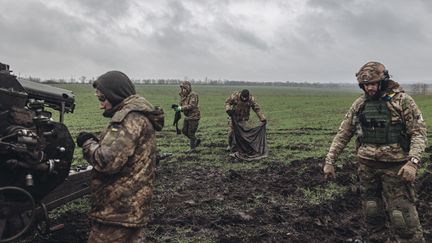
point(321, 194)
point(301, 125)
point(297, 118)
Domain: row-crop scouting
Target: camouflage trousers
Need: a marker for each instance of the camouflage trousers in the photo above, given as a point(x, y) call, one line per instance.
point(189, 128)
point(102, 233)
point(388, 203)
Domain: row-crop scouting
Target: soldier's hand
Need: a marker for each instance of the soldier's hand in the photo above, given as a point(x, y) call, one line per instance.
point(329, 171)
point(83, 137)
point(264, 121)
point(408, 171)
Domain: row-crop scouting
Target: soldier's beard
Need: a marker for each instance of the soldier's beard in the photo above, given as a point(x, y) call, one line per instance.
point(374, 94)
point(371, 93)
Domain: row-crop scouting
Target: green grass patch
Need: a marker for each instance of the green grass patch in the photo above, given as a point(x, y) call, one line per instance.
point(317, 196)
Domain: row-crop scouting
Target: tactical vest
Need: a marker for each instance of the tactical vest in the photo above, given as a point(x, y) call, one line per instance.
point(375, 120)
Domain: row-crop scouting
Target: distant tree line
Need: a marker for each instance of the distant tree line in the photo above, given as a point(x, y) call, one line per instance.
point(85, 80)
point(421, 88)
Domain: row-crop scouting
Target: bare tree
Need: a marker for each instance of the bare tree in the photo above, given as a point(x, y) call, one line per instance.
point(419, 88)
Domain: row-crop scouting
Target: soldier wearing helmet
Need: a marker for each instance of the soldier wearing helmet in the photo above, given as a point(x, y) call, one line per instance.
point(391, 135)
point(189, 106)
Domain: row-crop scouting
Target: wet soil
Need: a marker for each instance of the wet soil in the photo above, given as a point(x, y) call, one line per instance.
point(199, 202)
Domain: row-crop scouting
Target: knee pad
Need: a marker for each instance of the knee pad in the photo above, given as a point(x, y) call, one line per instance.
point(371, 210)
point(402, 224)
point(374, 213)
point(398, 219)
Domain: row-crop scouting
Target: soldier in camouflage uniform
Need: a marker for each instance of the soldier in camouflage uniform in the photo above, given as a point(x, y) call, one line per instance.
point(391, 135)
point(123, 159)
point(189, 106)
point(238, 106)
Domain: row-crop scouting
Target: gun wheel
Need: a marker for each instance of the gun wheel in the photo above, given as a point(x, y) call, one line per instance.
point(17, 213)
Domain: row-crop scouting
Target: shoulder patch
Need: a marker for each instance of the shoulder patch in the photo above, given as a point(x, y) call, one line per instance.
point(115, 126)
point(111, 135)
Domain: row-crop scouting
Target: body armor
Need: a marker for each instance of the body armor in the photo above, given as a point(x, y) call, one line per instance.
point(375, 119)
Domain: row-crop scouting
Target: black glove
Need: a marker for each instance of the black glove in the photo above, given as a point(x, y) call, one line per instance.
point(174, 106)
point(84, 136)
point(230, 112)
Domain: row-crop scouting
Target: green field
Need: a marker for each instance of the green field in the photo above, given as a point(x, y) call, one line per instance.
point(209, 197)
point(301, 122)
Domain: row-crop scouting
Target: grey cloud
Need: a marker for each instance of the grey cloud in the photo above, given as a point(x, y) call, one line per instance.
point(369, 20)
point(105, 11)
point(37, 26)
point(318, 40)
point(242, 36)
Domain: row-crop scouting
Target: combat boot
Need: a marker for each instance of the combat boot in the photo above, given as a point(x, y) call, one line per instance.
point(228, 148)
point(162, 156)
point(192, 144)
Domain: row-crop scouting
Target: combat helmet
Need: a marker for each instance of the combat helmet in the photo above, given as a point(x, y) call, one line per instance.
point(372, 72)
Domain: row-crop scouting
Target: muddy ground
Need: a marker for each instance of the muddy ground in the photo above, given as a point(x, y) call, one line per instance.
point(197, 202)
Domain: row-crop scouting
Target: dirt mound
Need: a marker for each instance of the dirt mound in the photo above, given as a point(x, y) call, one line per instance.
point(198, 202)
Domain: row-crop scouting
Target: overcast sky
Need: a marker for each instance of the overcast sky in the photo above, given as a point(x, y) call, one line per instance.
point(267, 40)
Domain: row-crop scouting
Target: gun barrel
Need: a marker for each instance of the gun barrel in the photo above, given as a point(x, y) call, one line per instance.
point(56, 98)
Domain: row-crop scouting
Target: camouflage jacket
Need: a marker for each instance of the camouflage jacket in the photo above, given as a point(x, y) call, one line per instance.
point(124, 165)
point(403, 109)
point(242, 109)
point(190, 107)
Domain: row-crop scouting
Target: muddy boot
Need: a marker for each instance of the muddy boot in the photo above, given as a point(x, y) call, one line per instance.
point(228, 148)
point(162, 156)
point(192, 144)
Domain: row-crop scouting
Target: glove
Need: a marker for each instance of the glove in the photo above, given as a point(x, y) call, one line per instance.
point(83, 137)
point(174, 106)
point(329, 171)
point(408, 171)
point(264, 120)
point(230, 112)
point(178, 108)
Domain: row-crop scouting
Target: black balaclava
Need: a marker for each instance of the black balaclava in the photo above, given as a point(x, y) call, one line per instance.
point(116, 87)
point(245, 94)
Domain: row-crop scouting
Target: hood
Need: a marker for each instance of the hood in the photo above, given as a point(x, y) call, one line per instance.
point(187, 86)
point(137, 103)
point(115, 85)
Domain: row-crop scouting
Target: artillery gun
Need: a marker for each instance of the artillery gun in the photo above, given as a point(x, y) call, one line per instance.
point(36, 153)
